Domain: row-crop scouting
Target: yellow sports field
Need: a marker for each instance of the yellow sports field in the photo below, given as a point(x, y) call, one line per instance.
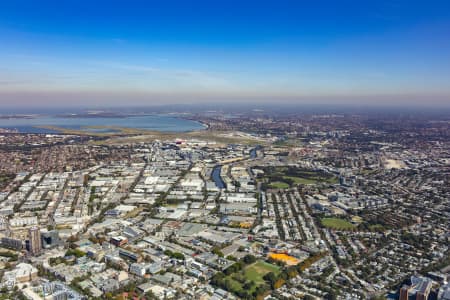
point(287, 259)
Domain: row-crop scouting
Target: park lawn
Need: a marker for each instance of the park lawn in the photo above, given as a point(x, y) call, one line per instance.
point(332, 180)
point(312, 180)
point(235, 285)
point(368, 171)
point(337, 223)
point(279, 185)
point(289, 143)
point(256, 271)
point(283, 178)
point(133, 213)
point(4, 179)
point(300, 180)
point(376, 227)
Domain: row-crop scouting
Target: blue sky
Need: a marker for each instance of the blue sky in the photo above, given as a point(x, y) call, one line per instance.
point(157, 52)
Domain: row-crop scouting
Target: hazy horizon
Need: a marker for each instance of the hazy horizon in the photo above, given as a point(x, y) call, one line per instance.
point(248, 109)
point(146, 53)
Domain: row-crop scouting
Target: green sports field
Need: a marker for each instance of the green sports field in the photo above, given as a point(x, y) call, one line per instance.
point(255, 272)
point(337, 223)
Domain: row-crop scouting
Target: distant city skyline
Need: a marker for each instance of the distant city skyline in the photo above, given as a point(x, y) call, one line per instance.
point(115, 53)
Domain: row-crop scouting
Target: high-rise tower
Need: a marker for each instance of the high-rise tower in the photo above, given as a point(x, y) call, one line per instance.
point(35, 240)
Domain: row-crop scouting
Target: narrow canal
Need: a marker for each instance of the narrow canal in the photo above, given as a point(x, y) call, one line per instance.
point(217, 178)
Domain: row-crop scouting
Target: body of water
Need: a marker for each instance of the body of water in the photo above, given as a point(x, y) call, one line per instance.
point(217, 178)
point(148, 122)
point(253, 153)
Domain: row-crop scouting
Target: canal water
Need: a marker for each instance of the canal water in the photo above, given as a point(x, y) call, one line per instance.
point(217, 178)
